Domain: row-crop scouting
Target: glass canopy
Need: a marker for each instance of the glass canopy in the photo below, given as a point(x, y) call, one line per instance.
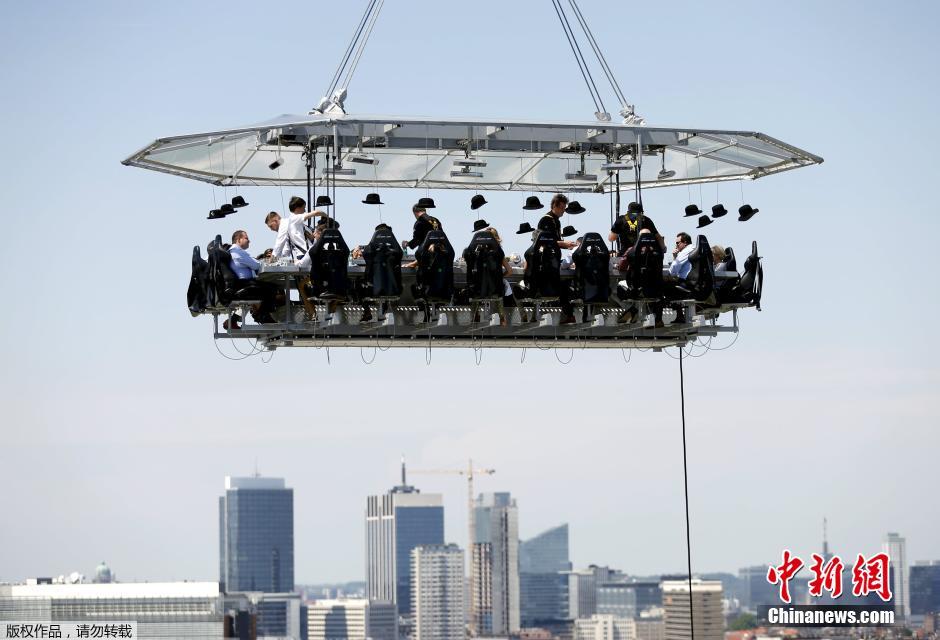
point(506, 155)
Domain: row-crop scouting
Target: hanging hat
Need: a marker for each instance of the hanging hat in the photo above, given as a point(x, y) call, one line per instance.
point(746, 212)
point(532, 203)
point(719, 210)
point(324, 201)
point(476, 202)
point(480, 224)
point(525, 227)
point(692, 210)
point(226, 209)
point(704, 221)
point(569, 231)
point(635, 207)
point(426, 203)
point(372, 198)
point(574, 207)
point(238, 202)
point(215, 214)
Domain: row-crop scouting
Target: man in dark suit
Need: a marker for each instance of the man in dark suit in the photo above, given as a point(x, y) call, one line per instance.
point(551, 223)
point(423, 224)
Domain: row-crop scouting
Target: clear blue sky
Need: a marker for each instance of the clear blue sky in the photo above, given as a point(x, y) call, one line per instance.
point(120, 420)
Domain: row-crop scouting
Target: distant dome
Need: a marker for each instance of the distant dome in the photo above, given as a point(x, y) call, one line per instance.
point(103, 573)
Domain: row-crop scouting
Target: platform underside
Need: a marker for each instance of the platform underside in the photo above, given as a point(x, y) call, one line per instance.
point(598, 327)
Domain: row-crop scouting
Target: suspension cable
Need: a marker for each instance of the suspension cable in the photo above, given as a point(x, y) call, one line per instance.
point(685, 474)
point(579, 57)
point(349, 49)
point(597, 52)
point(362, 44)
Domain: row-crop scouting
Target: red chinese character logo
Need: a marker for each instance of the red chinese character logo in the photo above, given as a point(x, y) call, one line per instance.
point(784, 573)
point(828, 577)
point(871, 576)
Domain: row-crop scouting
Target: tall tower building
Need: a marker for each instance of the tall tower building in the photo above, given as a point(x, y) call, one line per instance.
point(437, 600)
point(896, 548)
point(495, 583)
point(396, 523)
point(256, 535)
point(709, 623)
point(543, 593)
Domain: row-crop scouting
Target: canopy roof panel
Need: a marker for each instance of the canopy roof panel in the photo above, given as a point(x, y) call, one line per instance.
point(510, 155)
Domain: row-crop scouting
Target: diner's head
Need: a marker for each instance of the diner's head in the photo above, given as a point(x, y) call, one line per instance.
point(418, 210)
point(273, 220)
point(240, 239)
point(495, 234)
point(559, 203)
point(297, 205)
point(683, 240)
point(718, 254)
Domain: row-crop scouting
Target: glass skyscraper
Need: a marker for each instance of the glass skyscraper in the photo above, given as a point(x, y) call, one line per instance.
point(396, 523)
point(543, 589)
point(494, 579)
point(256, 535)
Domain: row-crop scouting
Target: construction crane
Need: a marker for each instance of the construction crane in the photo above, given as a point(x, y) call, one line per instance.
point(469, 472)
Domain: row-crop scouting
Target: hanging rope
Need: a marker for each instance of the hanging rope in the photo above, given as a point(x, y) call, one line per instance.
point(685, 474)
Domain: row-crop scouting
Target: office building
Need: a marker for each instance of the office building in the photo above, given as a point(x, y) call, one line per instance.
point(437, 599)
point(604, 627)
point(256, 535)
point(757, 591)
point(182, 610)
point(495, 581)
point(708, 620)
point(582, 590)
point(543, 587)
point(650, 628)
point(896, 548)
point(272, 615)
point(396, 523)
point(925, 588)
point(351, 619)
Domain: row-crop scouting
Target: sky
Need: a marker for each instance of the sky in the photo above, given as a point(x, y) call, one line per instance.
point(121, 418)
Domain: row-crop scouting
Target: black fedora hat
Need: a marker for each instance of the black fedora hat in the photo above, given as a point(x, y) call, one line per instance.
point(692, 210)
point(238, 202)
point(704, 221)
point(324, 201)
point(574, 207)
point(476, 202)
point(532, 203)
point(635, 207)
point(746, 212)
point(719, 210)
point(426, 203)
point(226, 209)
point(215, 214)
point(480, 224)
point(372, 198)
point(569, 231)
point(525, 227)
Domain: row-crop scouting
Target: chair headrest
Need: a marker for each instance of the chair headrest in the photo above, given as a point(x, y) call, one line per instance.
point(591, 241)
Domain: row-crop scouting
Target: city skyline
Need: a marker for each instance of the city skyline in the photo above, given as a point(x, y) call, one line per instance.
point(118, 425)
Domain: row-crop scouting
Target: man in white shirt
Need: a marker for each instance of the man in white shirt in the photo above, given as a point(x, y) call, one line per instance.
point(681, 264)
point(293, 240)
